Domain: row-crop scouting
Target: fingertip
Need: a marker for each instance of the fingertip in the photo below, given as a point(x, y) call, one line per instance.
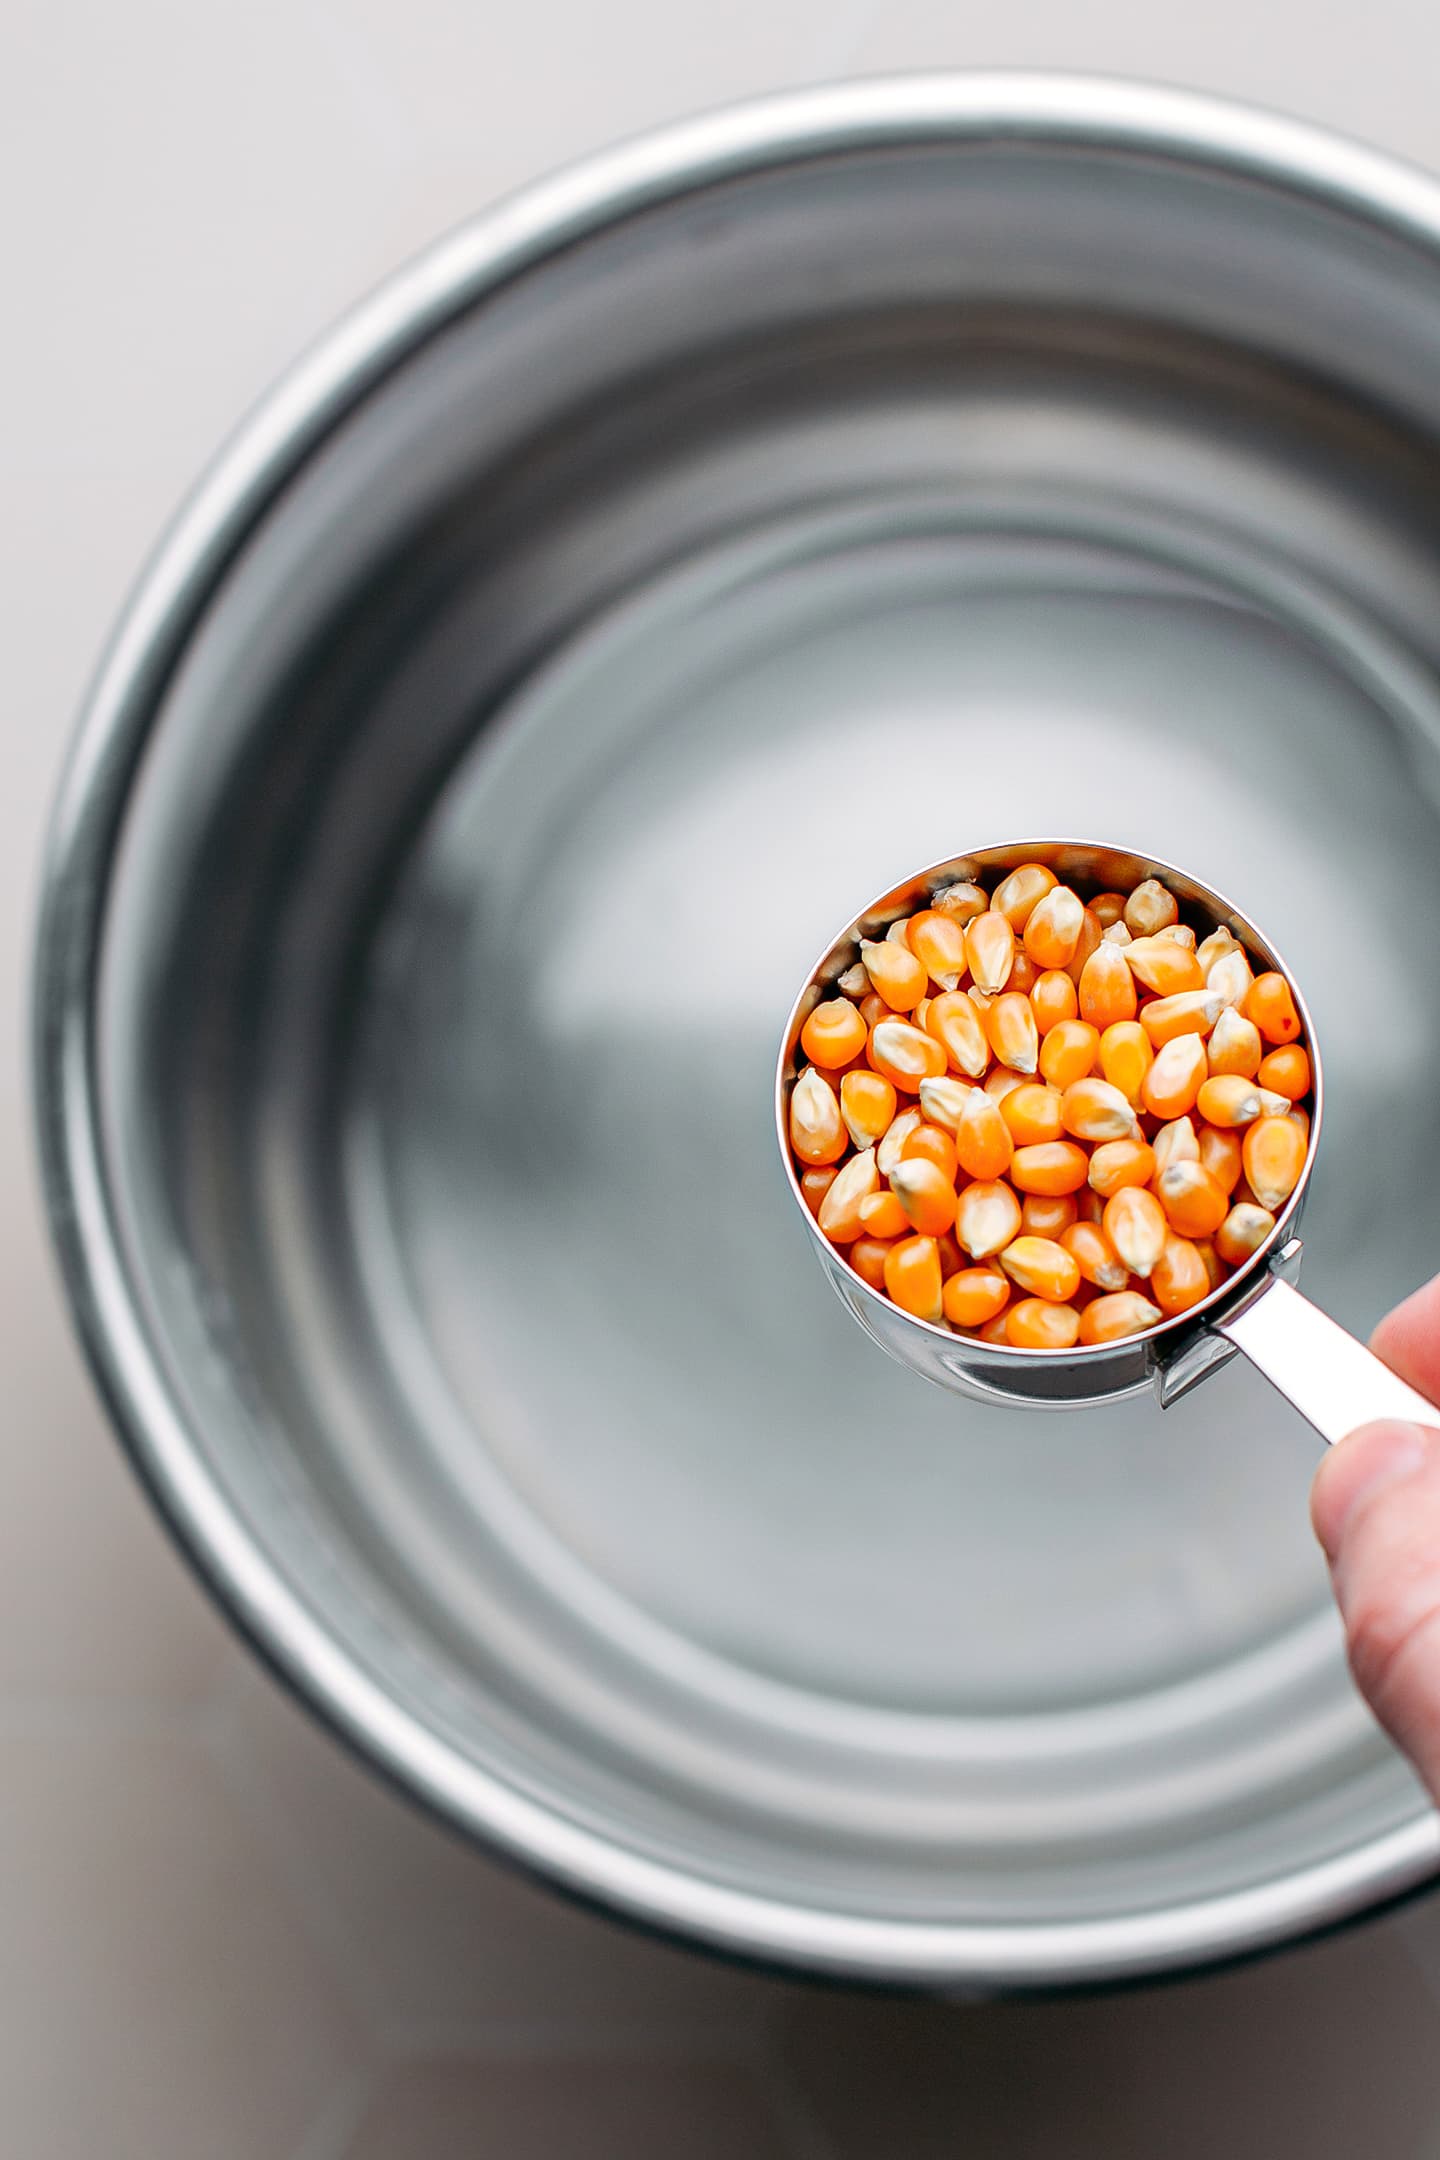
point(1408, 1339)
point(1360, 1466)
point(1424, 1302)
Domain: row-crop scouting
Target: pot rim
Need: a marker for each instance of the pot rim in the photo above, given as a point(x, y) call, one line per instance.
point(190, 564)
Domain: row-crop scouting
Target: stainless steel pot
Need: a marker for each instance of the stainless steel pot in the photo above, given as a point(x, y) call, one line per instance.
point(557, 653)
point(1333, 1381)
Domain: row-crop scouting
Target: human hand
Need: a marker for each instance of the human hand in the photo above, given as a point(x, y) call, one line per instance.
point(1376, 1510)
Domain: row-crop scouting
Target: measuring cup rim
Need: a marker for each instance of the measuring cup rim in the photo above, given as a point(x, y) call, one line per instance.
point(1166, 1335)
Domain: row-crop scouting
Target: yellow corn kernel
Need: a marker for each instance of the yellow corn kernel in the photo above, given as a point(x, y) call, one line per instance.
point(1068, 1053)
point(1175, 1078)
point(962, 903)
point(1107, 988)
point(1125, 1058)
point(1124, 1312)
point(1023, 972)
point(1000, 1082)
point(1041, 1268)
point(1089, 1205)
point(952, 1260)
point(1180, 933)
point(1214, 947)
point(817, 1131)
point(1300, 1116)
point(990, 950)
point(1234, 1045)
point(982, 1138)
point(1108, 908)
point(1050, 1167)
point(1053, 998)
point(1086, 945)
point(1210, 1260)
point(1094, 1255)
point(1227, 1100)
point(854, 982)
point(1220, 1154)
point(814, 1184)
point(1046, 1215)
point(1274, 1155)
point(833, 1034)
point(891, 1150)
point(1117, 934)
point(898, 932)
point(938, 943)
point(1017, 896)
point(867, 1257)
point(1150, 908)
point(1035, 1324)
point(1118, 1163)
point(1052, 929)
point(926, 1195)
point(1286, 1072)
point(1243, 1232)
point(1163, 966)
point(1033, 1113)
point(1189, 1012)
point(994, 1330)
point(839, 1216)
point(1270, 1004)
point(942, 1101)
point(932, 1144)
point(912, 1277)
point(1135, 1224)
point(1195, 1204)
point(882, 1217)
point(1175, 1142)
point(867, 1104)
point(974, 1295)
point(873, 1009)
point(896, 973)
point(1094, 1110)
point(905, 1055)
point(1229, 978)
point(987, 1219)
point(1014, 1037)
point(955, 1024)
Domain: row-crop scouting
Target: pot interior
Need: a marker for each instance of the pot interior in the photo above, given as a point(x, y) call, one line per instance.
point(800, 526)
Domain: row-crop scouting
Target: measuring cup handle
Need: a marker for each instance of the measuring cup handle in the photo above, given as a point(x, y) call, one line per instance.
point(1331, 1379)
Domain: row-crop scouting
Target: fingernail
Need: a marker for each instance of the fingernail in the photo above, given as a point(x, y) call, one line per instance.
point(1372, 1457)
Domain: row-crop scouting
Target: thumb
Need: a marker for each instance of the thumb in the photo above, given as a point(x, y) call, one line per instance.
point(1376, 1511)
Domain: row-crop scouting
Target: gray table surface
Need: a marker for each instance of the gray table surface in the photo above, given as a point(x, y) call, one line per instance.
point(218, 1939)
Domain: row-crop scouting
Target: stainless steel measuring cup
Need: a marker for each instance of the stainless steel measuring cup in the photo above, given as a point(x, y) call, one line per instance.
point(1332, 1380)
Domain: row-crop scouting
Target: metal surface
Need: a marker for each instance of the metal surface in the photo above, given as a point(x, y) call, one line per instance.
point(618, 596)
point(1333, 1381)
point(998, 1373)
